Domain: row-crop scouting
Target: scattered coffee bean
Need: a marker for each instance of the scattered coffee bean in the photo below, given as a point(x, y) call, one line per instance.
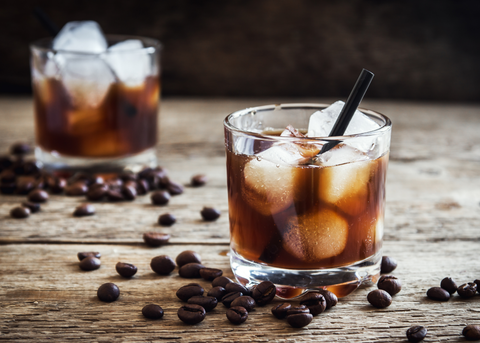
point(186, 292)
point(210, 214)
point(108, 292)
point(388, 265)
point(7, 188)
point(264, 292)
point(217, 292)
point(315, 302)
point(20, 148)
point(84, 210)
point(190, 270)
point(210, 274)
point(449, 285)
point(162, 265)
point(174, 188)
point(97, 193)
point(390, 284)
point(25, 184)
point(115, 183)
point(127, 176)
point(438, 293)
point(32, 206)
point(85, 254)
point(416, 334)
point(76, 189)
point(280, 310)
point(57, 185)
point(221, 281)
point(208, 303)
point(142, 187)
point(166, 219)
point(7, 176)
point(90, 263)
point(38, 195)
point(237, 315)
point(160, 197)
point(236, 287)
point(299, 320)
point(155, 239)
point(125, 269)
point(230, 297)
point(244, 301)
point(115, 196)
point(471, 332)
point(5, 162)
point(188, 256)
point(297, 310)
point(19, 212)
point(467, 290)
point(379, 298)
point(330, 298)
point(478, 285)
point(199, 180)
point(191, 314)
point(152, 311)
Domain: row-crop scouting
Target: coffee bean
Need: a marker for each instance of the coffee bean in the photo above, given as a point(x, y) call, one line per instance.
point(438, 293)
point(467, 290)
point(129, 192)
point(38, 195)
point(188, 256)
point(115, 196)
point(142, 187)
point(237, 315)
point(315, 302)
point(210, 214)
point(19, 212)
point(264, 292)
point(174, 188)
point(108, 292)
point(5, 162)
point(190, 270)
point(299, 320)
point(478, 285)
point(96, 193)
point(155, 239)
point(186, 292)
point(7, 188)
point(152, 311)
point(76, 189)
point(210, 274)
point(191, 314)
point(25, 184)
point(160, 197)
point(32, 206)
point(297, 310)
point(416, 334)
point(162, 265)
point(221, 281)
point(125, 269)
point(7, 176)
point(244, 301)
point(379, 298)
point(199, 180)
point(236, 287)
point(90, 263)
point(280, 310)
point(20, 148)
point(471, 332)
point(230, 297)
point(57, 185)
point(390, 284)
point(330, 298)
point(449, 285)
point(84, 210)
point(208, 303)
point(166, 219)
point(217, 292)
point(85, 254)
point(388, 265)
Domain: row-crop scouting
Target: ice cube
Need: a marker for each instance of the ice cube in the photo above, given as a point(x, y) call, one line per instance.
point(81, 36)
point(340, 154)
point(130, 62)
point(314, 236)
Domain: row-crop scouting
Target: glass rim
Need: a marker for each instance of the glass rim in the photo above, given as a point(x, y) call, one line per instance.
point(387, 124)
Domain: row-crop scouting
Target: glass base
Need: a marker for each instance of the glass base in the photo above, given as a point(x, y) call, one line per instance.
point(52, 161)
point(292, 283)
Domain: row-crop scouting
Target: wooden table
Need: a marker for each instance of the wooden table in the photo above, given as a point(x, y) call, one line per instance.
point(432, 228)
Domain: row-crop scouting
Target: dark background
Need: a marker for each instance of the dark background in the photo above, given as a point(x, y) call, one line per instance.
point(418, 49)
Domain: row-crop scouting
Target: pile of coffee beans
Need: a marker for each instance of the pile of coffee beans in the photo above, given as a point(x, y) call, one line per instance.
point(388, 285)
point(448, 287)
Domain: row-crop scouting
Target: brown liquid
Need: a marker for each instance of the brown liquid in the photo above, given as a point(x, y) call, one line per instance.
point(123, 123)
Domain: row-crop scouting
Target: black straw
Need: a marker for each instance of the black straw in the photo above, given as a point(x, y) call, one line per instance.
point(47, 23)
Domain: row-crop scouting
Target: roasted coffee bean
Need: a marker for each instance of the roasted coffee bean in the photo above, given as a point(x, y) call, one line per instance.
point(19, 212)
point(244, 301)
point(76, 189)
point(449, 285)
point(390, 284)
point(155, 239)
point(32, 206)
point(315, 302)
point(128, 176)
point(192, 289)
point(162, 265)
point(416, 334)
point(97, 193)
point(221, 281)
point(388, 265)
point(210, 214)
point(190, 270)
point(108, 292)
point(438, 293)
point(174, 188)
point(84, 254)
point(236, 287)
point(230, 297)
point(217, 292)
point(7, 176)
point(142, 187)
point(379, 298)
point(478, 285)
point(20, 148)
point(208, 303)
point(264, 292)
point(160, 197)
point(7, 188)
point(188, 256)
point(199, 180)
point(297, 309)
point(129, 192)
point(152, 311)
point(191, 314)
point(90, 263)
point(84, 210)
point(299, 320)
point(38, 195)
point(330, 298)
point(57, 184)
point(210, 274)
point(166, 219)
point(5, 162)
point(25, 184)
point(115, 196)
point(280, 310)
point(237, 315)
point(114, 183)
point(125, 269)
point(471, 332)
point(467, 290)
